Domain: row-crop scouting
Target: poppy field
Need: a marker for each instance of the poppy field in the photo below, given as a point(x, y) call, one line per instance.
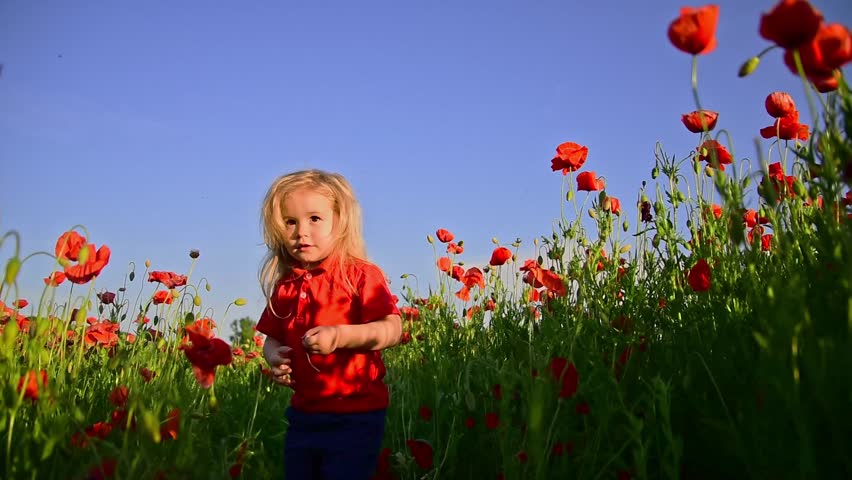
point(699, 329)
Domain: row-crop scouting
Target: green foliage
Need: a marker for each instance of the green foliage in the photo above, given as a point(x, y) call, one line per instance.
point(242, 331)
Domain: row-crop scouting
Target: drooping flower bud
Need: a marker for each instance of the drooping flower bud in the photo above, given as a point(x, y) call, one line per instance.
point(749, 66)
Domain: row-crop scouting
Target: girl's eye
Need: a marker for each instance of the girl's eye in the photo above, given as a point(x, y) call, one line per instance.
point(315, 218)
point(289, 222)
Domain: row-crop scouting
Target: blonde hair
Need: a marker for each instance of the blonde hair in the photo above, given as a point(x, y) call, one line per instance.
point(348, 241)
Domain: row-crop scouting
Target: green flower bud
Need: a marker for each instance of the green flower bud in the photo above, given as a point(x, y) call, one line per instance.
point(749, 67)
point(13, 266)
point(240, 302)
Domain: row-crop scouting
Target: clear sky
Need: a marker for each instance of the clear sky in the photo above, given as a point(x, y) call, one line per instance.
point(159, 125)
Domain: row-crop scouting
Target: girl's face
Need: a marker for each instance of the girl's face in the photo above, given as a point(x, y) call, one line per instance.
point(309, 221)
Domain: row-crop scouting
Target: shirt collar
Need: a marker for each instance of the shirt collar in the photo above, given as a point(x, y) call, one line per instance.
point(296, 271)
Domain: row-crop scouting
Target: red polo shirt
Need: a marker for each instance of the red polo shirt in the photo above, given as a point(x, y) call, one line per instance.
point(346, 380)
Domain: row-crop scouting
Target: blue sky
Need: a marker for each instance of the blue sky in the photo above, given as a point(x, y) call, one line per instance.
point(159, 127)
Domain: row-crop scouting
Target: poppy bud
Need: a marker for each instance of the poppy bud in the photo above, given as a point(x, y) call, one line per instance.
point(197, 301)
point(214, 403)
point(799, 188)
point(535, 241)
point(83, 256)
point(147, 263)
point(658, 207)
point(569, 196)
point(592, 213)
point(680, 196)
point(240, 302)
point(80, 315)
point(430, 239)
point(655, 172)
point(13, 266)
point(207, 286)
point(540, 260)
point(132, 276)
point(656, 241)
point(696, 165)
point(749, 67)
point(194, 254)
point(625, 226)
point(461, 243)
point(708, 170)
point(494, 240)
point(152, 425)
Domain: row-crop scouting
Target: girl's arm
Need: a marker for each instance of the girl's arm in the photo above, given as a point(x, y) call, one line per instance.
point(376, 335)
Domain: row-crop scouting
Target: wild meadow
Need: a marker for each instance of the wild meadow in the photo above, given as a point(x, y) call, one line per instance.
point(699, 329)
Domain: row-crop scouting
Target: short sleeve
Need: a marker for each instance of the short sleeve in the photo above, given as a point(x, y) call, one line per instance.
point(377, 301)
point(269, 324)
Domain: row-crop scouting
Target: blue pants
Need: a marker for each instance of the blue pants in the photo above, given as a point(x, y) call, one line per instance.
point(329, 446)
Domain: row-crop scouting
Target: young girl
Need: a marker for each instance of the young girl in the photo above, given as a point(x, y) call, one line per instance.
point(329, 313)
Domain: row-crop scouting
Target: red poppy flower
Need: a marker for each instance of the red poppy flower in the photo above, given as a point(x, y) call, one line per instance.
point(522, 456)
point(452, 247)
point(538, 277)
point(694, 31)
point(410, 313)
point(612, 205)
point(425, 413)
point(490, 305)
point(463, 294)
point(168, 279)
point(492, 421)
point(766, 242)
point(162, 296)
point(830, 49)
point(444, 235)
point(705, 153)
point(588, 182)
point(422, 453)
point(497, 390)
point(786, 128)
point(583, 408)
point(206, 354)
point(32, 383)
point(84, 271)
point(107, 298)
point(826, 84)
point(500, 256)
point(21, 303)
point(101, 334)
point(119, 395)
point(791, 23)
point(692, 120)
point(54, 279)
point(444, 263)
point(473, 277)
point(169, 430)
point(569, 157)
point(203, 326)
point(68, 246)
point(469, 423)
point(457, 272)
point(566, 373)
point(780, 104)
point(751, 218)
point(699, 276)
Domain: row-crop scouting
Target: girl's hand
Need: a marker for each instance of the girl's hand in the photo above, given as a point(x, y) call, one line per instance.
point(279, 364)
point(321, 340)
